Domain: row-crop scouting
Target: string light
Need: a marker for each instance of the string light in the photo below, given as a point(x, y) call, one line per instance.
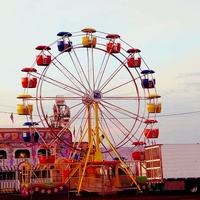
point(166, 115)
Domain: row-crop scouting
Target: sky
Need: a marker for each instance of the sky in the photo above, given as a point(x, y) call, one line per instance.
point(167, 32)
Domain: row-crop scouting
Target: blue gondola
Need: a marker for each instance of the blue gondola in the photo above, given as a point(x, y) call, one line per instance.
point(147, 71)
point(63, 33)
point(30, 124)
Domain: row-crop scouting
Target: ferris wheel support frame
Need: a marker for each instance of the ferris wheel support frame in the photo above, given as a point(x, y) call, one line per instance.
point(98, 154)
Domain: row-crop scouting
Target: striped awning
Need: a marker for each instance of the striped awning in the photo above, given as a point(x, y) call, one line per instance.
point(37, 167)
point(7, 168)
point(41, 167)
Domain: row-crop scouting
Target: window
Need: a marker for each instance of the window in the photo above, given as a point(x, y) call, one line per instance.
point(22, 153)
point(7, 175)
point(3, 154)
point(44, 152)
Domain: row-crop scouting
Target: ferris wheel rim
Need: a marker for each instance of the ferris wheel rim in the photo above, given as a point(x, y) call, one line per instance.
point(138, 98)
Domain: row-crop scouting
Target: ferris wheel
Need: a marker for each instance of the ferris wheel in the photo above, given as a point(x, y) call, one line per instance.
point(97, 86)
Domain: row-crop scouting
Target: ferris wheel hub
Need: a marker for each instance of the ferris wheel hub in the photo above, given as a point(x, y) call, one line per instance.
point(97, 95)
point(86, 99)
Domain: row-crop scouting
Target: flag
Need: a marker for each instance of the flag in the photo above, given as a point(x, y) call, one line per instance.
point(11, 117)
point(74, 132)
point(81, 131)
point(31, 117)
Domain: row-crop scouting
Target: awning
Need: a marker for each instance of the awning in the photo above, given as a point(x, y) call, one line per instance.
point(7, 168)
point(42, 167)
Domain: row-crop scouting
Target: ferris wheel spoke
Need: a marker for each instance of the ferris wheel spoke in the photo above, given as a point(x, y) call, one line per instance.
point(120, 130)
point(107, 129)
point(117, 121)
point(72, 120)
point(81, 73)
point(125, 112)
point(111, 77)
point(69, 75)
point(124, 98)
point(102, 70)
point(118, 116)
point(82, 125)
point(90, 68)
point(62, 86)
point(119, 86)
point(112, 134)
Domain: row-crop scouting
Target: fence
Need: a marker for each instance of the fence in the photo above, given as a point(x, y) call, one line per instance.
point(9, 186)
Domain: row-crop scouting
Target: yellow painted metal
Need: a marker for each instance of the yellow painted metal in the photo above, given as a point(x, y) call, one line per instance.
point(89, 125)
point(123, 164)
point(98, 154)
point(84, 167)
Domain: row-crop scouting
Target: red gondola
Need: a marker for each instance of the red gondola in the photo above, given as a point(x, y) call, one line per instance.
point(28, 82)
point(133, 61)
point(151, 133)
point(43, 59)
point(112, 46)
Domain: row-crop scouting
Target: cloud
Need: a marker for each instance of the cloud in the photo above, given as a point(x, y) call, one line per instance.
point(167, 32)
